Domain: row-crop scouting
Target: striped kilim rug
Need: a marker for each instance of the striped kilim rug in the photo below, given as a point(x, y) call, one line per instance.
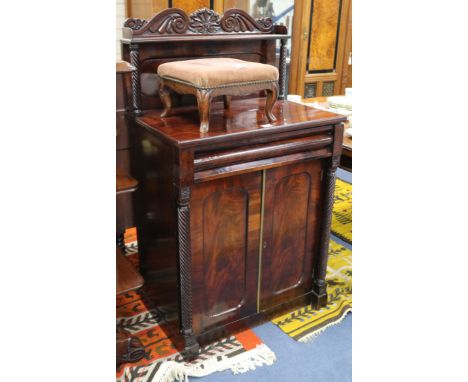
point(306, 323)
point(163, 361)
point(342, 216)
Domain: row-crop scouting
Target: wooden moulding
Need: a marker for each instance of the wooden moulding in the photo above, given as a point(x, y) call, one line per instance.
point(123, 67)
point(175, 21)
point(124, 182)
point(205, 95)
point(260, 151)
point(128, 278)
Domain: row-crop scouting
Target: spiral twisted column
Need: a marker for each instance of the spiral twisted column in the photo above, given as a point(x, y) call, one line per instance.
point(319, 286)
point(136, 88)
point(282, 72)
point(185, 271)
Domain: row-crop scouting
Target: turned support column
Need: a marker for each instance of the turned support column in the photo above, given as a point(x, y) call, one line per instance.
point(319, 285)
point(283, 69)
point(185, 271)
point(136, 89)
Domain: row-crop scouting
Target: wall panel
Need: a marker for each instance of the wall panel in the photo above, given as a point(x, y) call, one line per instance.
point(190, 6)
point(325, 15)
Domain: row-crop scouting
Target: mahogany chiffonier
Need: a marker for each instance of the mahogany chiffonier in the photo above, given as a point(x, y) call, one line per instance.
point(235, 222)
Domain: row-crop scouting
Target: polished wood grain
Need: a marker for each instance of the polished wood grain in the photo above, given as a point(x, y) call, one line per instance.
point(244, 120)
point(220, 158)
point(124, 182)
point(291, 228)
point(224, 226)
point(190, 6)
point(144, 8)
point(323, 36)
point(240, 4)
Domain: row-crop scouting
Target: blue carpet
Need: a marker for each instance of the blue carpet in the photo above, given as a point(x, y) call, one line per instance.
point(326, 359)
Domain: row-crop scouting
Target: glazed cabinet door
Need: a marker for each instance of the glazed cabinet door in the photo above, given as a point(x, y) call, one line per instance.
point(290, 231)
point(225, 236)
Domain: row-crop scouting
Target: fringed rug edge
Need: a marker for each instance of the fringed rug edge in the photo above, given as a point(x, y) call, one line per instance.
point(171, 371)
point(311, 336)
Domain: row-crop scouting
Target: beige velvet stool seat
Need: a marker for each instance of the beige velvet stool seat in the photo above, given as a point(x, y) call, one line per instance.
point(210, 77)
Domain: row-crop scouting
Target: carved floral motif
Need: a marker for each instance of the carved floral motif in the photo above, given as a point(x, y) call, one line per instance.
point(204, 21)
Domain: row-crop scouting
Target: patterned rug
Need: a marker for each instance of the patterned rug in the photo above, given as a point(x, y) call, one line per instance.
point(305, 324)
point(163, 361)
point(342, 216)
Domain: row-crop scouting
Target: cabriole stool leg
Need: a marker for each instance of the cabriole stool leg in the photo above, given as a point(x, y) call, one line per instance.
point(165, 99)
point(204, 101)
point(227, 102)
point(272, 96)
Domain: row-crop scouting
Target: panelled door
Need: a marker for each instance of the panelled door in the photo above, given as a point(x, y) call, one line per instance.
point(225, 237)
point(253, 239)
point(290, 231)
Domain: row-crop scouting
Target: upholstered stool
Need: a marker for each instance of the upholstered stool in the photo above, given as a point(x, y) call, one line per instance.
point(210, 77)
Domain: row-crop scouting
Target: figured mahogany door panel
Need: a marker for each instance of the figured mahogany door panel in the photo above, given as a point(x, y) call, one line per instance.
point(225, 236)
point(290, 231)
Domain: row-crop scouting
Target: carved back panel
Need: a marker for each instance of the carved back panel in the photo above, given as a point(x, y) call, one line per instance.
point(173, 35)
point(174, 21)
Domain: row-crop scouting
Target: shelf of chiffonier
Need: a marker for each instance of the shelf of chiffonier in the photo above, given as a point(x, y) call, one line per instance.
point(128, 278)
point(124, 182)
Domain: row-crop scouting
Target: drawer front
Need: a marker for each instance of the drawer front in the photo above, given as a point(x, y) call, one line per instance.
point(219, 163)
point(225, 234)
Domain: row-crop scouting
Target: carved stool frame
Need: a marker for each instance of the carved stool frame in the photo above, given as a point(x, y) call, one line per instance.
point(205, 95)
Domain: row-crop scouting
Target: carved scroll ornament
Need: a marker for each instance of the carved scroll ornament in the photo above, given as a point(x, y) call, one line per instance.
point(235, 20)
point(174, 21)
point(169, 21)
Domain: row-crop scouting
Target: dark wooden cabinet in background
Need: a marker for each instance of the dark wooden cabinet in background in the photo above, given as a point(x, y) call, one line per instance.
point(124, 200)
